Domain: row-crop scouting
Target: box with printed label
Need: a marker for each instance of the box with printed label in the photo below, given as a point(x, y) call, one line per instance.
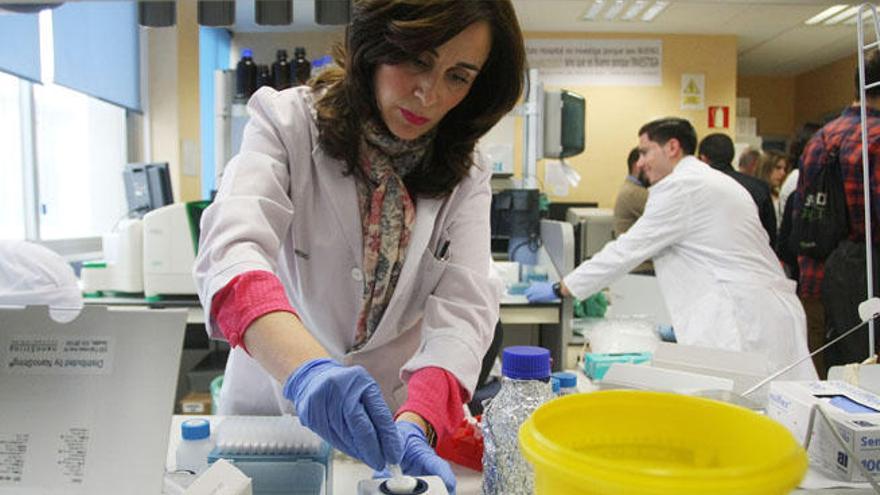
point(854, 412)
point(196, 403)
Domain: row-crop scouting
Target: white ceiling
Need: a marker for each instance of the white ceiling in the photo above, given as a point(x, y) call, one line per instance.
point(772, 38)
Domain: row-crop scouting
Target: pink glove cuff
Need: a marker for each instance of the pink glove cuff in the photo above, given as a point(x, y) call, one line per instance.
point(244, 299)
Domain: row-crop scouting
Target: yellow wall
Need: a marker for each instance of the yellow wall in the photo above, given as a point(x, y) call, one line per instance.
point(174, 101)
point(826, 90)
point(771, 102)
point(615, 114)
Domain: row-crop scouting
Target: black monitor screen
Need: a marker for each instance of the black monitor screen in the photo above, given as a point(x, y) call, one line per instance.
point(147, 187)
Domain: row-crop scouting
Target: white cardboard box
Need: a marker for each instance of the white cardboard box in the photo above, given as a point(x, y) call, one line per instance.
point(855, 412)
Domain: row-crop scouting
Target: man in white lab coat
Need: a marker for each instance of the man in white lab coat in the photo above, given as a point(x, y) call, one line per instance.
point(721, 281)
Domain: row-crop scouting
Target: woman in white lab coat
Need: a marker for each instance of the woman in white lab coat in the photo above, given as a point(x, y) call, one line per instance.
point(353, 229)
point(721, 281)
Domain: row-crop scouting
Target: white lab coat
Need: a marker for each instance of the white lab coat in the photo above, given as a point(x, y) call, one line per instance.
point(285, 206)
point(722, 283)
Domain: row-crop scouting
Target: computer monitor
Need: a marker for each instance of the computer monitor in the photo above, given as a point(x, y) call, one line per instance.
point(564, 124)
point(147, 187)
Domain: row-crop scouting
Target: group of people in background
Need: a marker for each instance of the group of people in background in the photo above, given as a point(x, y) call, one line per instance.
point(778, 182)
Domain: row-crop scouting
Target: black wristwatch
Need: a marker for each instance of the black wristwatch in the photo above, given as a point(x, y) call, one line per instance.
point(557, 289)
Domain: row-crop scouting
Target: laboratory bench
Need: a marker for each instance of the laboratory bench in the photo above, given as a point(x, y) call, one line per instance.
point(347, 472)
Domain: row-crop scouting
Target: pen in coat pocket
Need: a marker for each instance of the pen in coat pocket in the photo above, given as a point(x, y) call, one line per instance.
point(443, 251)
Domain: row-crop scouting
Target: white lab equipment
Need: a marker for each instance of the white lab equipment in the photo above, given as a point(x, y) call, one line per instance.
point(855, 413)
point(122, 268)
point(171, 236)
point(195, 445)
point(596, 228)
point(641, 377)
point(100, 421)
point(745, 368)
point(276, 452)
point(222, 478)
point(31, 275)
point(427, 485)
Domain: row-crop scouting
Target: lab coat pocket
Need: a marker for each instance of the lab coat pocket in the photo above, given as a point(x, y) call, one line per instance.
point(430, 271)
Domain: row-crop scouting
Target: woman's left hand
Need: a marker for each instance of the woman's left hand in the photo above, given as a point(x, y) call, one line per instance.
point(419, 459)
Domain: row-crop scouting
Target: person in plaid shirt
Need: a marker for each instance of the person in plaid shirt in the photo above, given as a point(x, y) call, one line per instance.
point(844, 133)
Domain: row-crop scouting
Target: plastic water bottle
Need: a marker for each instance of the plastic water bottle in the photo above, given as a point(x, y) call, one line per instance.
point(195, 445)
point(302, 68)
point(281, 71)
point(524, 387)
point(567, 382)
point(245, 75)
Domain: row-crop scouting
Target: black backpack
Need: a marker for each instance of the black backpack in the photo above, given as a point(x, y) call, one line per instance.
point(823, 220)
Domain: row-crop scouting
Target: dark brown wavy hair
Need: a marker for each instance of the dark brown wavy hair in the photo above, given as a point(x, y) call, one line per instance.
point(397, 31)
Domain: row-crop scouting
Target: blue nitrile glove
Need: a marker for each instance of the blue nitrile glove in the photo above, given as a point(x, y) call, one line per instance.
point(419, 459)
point(540, 292)
point(344, 406)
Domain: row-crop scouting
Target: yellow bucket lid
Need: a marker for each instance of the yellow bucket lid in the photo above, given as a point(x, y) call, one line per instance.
point(652, 443)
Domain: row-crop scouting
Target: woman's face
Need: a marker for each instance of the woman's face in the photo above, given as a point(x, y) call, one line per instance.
point(778, 173)
point(414, 96)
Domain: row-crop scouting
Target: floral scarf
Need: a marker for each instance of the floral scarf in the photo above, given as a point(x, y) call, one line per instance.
point(387, 217)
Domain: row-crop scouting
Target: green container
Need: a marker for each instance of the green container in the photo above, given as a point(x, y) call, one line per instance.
point(216, 385)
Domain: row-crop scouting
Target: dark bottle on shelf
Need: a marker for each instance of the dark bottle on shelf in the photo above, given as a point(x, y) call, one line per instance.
point(264, 77)
point(281, 71)
point(245, 75)
point(302, 68)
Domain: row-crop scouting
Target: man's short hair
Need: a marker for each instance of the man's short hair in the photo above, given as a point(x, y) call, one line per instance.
point(662, 130)
point(717, 148)
point(872, 74)
point(632, 159)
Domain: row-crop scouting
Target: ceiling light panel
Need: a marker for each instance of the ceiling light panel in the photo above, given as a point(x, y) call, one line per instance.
point(614, 9)
point(654, 10)
point(866, 15)
point(594, 10)
point(633, 10)
point(846, 14)
point(825, 14)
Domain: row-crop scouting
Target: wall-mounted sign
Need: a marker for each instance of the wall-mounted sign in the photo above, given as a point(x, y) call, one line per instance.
point(597, 62)
point(693, 91)
point(719, 117)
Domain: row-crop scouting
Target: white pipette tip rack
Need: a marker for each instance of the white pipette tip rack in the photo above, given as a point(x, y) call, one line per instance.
point(266, 435)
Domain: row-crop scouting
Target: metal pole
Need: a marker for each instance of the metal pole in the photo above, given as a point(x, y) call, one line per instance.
point(866, 182)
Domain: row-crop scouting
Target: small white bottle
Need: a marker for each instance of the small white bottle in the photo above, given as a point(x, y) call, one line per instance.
point(195, 445)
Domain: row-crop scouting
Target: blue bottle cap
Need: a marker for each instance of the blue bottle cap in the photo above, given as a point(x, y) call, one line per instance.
point(524, 362)
point(247, 52)
point(566, 379)
point(554, 382)
point(195, 429)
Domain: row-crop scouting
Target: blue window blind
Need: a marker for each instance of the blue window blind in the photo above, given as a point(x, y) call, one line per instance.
point(97, 50)
point(213, 54)
point(20, 45)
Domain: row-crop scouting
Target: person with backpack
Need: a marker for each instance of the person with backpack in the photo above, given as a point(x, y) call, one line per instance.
point(830, 245)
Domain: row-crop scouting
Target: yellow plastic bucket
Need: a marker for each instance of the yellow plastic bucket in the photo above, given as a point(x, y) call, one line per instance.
point(650, 443)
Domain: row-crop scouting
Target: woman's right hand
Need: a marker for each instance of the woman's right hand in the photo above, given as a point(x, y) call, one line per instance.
point(344, 405)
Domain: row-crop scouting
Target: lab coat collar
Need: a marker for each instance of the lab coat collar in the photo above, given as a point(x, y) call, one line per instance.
point(343, 190)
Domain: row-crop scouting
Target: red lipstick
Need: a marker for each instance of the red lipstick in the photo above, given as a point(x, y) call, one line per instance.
point(413, 118)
